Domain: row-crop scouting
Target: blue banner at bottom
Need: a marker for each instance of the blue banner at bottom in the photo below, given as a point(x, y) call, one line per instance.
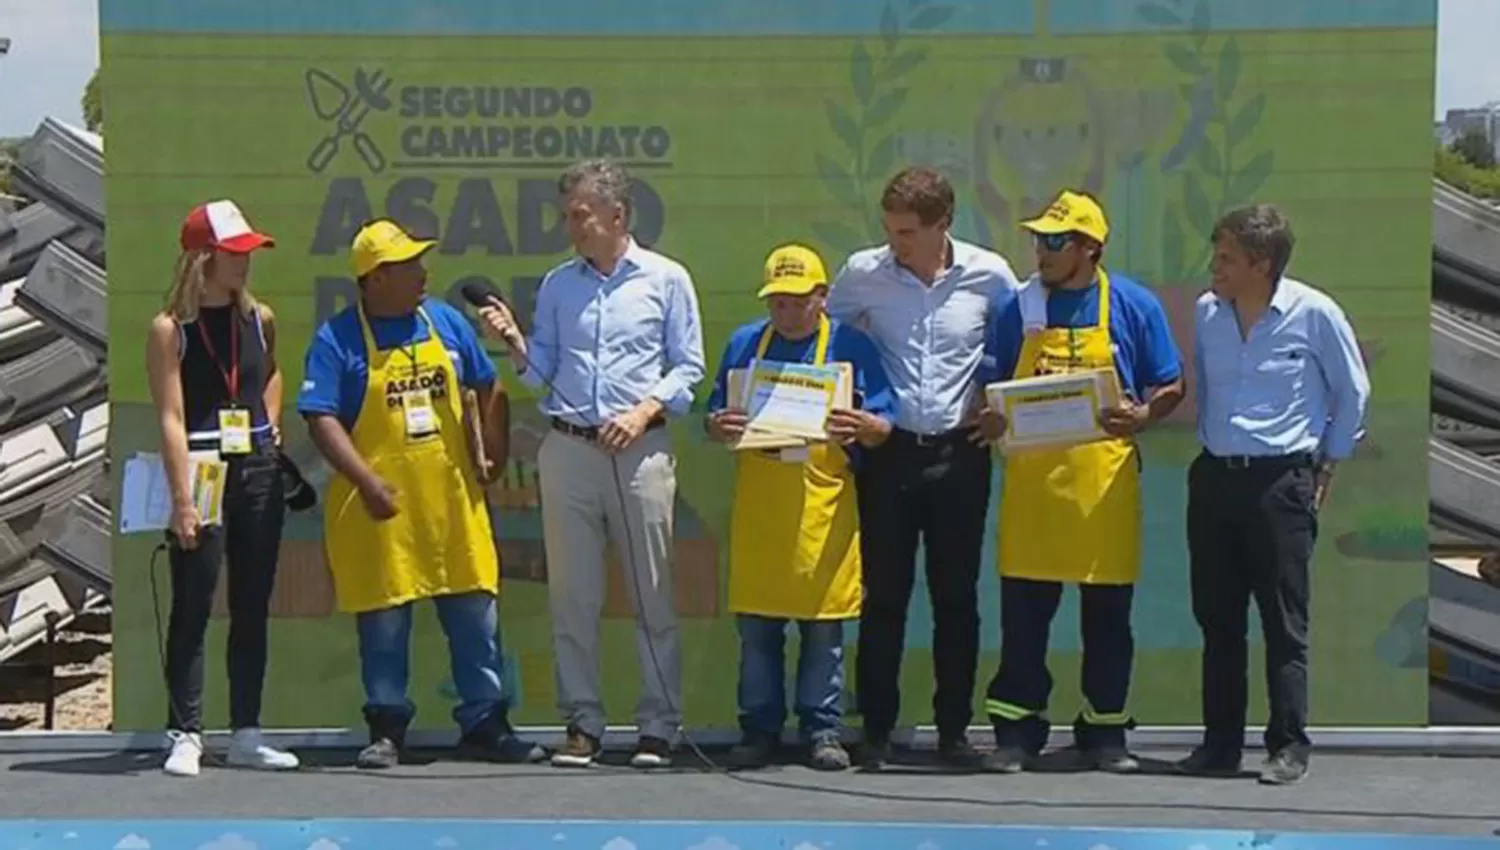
point(371, 834)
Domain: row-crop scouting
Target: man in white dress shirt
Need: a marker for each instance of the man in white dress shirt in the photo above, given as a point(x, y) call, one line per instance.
point(617, 341)
point(924, 297)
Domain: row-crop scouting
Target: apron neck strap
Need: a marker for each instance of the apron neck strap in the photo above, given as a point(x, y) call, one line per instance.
point(820, 354)
point(1103, 298)
point(369, 335)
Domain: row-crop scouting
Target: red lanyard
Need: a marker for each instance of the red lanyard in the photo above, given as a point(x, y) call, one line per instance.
point(232, 374)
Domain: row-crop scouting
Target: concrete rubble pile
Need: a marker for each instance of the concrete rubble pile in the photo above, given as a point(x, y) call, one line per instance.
point(54, 413)
point(1463, 608)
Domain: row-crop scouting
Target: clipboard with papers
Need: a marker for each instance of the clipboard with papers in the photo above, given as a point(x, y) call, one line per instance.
point(146, 493)
point(736, 386)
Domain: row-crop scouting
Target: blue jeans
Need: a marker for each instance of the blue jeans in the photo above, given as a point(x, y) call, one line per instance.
point(820, 676)
point(471, 622)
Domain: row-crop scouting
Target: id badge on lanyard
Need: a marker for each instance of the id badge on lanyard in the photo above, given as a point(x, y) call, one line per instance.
point(234, 420)
point(234, 431)
point(421, 420)
point(416, 402)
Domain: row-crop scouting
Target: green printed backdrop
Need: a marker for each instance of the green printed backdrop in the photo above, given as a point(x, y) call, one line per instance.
point(749, 125)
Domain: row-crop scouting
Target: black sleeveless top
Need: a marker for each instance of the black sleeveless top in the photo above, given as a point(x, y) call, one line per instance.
point(204, 371)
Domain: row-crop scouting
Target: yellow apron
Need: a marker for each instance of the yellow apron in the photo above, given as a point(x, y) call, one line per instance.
point(440, 541)
point(1072, 515)
point(794, 529)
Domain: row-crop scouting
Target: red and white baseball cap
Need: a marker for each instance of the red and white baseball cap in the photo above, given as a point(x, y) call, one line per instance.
point(221, 225)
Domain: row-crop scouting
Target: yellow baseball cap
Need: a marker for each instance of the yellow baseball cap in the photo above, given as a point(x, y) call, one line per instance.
point(381, 242)
point(1072, 213)
point(793, 270)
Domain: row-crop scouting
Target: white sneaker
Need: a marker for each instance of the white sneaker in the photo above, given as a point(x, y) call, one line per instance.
point(246, 749)
point(184, 753)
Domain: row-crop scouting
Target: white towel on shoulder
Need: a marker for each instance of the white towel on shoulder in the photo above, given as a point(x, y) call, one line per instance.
point(1033, 297)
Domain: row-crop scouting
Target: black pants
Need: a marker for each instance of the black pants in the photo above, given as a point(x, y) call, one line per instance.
point(1251, 531)
point(1023, 681)
point(935, 491)
point(249, 540)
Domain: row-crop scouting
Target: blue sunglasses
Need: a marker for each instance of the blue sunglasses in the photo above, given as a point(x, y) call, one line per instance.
point(1053, 241)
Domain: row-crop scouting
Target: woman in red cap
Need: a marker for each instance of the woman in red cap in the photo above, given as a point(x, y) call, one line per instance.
point(212, 368)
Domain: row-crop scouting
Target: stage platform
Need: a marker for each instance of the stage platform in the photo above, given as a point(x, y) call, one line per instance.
point(1348, 802)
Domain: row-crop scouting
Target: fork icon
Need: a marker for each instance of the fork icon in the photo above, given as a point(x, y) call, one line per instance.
point(347, 115)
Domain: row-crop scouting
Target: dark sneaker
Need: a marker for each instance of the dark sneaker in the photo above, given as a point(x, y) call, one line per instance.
point(828, 754)
point(1112, 759)
point(1283, 768)
point(957, 752)
point(651, 752)
point(1004, 760)
point(875, 753)
point(579, 750)
point(382, 753)
point(753, 750)
point(497, 742)
point(1205, 761)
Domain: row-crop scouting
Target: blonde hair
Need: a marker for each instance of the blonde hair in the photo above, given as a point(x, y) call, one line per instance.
point(185, 296)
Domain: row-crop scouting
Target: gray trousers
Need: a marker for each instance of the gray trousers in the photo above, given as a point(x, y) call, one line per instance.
point(581, 511)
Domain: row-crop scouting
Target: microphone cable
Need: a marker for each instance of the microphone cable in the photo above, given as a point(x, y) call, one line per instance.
point(161, 649)
point(480, 295)
point(207, 756)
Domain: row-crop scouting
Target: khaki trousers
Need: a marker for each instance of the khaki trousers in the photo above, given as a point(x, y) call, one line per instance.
point(582, 509)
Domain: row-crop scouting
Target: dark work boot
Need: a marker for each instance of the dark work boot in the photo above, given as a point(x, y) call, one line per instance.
point(1211, 762)
point(755, 750)
point(1104, 747)
point(495, 740)
point(387, 738)
point(956, 751)
point(875, 752)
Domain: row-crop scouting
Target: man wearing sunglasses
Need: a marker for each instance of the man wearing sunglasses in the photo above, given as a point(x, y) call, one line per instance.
point(1073, 515)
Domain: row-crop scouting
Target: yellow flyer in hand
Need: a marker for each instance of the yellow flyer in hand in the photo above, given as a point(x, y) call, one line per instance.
point(208, 490)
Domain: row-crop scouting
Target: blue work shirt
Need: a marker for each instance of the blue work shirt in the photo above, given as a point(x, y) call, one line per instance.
point(846, 344)
point(930, 337)
point(605, 343)
point(1296, 384)
point(336, 369)
point(1146, 355)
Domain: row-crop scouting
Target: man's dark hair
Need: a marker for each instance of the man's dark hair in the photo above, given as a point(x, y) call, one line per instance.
point(922, 191)
point(1262, 232)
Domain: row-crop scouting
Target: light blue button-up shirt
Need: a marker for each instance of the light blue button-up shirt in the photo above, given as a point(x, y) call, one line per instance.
point(608, 342)
point(931, 338)
point(1297, 383)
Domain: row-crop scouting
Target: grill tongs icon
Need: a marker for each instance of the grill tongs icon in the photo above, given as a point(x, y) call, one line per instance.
point(332, 101)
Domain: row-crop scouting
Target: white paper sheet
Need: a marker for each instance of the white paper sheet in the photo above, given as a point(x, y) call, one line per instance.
point(1048, 418)
point(146, 495)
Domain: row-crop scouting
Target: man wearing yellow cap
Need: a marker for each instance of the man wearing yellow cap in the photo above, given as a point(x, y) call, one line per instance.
point(794, 528)
point(405, 516)
point(1073, 516)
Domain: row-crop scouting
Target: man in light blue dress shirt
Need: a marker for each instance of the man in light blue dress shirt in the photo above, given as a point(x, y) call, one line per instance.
point(617, 340)
point(924, 297)
point(1282, 394)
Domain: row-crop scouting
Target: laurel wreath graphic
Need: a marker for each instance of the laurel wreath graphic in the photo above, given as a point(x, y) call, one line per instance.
point(1219, 178)
point(876, 76)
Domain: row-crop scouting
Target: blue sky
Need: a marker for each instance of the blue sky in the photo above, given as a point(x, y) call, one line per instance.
point(55, 48)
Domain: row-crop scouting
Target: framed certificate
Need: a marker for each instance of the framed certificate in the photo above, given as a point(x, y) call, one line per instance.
point(1054, 411)
point(740, 384)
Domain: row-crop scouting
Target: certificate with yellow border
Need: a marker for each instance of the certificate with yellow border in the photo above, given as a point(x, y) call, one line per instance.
point(789, 399)
point(1054, 411)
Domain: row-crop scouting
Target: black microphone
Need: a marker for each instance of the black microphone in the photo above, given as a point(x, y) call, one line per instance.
point(481, 295)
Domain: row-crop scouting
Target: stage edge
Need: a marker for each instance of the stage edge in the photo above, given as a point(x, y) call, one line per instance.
point(1433, 740)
